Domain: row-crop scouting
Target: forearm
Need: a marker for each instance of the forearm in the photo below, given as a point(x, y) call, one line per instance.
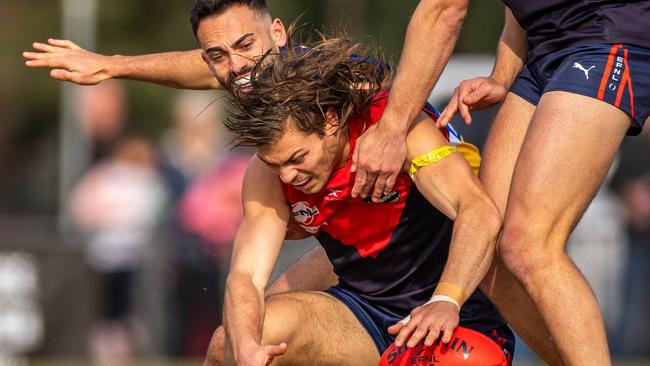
point(473, 242)
point(430, 40)
point(182, 69)
point(511, 52)
point(243, 312)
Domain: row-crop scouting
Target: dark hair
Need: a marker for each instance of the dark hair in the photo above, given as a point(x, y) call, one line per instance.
point(303, 85)
point(205, 8)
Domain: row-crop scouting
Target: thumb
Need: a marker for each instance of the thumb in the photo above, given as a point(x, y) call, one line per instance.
point(276, 350)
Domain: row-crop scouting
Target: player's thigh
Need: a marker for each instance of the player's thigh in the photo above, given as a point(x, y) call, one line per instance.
point(318, 329)
point(503, 145)
point(568, 149)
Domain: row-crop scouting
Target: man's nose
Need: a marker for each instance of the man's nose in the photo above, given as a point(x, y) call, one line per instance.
point(239, 63)
point(288, 174)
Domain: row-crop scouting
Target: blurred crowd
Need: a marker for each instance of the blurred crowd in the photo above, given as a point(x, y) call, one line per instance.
point(175, 198)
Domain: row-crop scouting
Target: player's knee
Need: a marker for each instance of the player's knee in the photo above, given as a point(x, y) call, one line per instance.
point(216, 349)
point(523, 251)
point(283, 315)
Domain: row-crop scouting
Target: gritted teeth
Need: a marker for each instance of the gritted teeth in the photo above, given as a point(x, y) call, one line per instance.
point(243, 81)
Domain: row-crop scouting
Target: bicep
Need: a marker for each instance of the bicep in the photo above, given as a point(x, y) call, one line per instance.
point(444, 183)
point(261, 233)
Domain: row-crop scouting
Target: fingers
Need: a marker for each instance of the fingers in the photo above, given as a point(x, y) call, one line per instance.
point(395, 328)
point(449, 112)
point(447, 331)
point(380, 188)
point(64, 43)
point(404, 333)
point(65, 75)
point(463, 108)
point(359, 182)
point(367, 186)
point(390, 183)
point(44, 47)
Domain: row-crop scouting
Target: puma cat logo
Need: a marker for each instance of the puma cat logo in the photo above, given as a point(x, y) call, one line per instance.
point(577, 65)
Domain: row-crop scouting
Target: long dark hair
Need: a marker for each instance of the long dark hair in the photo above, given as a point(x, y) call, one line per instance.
point(302, 85)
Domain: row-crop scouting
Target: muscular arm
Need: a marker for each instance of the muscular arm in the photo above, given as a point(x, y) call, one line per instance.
point(256, 248)
point(430, 39)
point(69, 62)
point(511, 51)
point(451, 186)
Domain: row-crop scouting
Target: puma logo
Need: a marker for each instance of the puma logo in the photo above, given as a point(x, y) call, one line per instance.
point(577, 65)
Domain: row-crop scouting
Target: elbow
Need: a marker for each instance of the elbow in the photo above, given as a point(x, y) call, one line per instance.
point(491, 219)
point(485, 216)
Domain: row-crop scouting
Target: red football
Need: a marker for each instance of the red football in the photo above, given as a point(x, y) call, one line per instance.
point(467, 347)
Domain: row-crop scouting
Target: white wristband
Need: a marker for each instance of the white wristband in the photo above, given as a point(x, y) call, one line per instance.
point(434, 298)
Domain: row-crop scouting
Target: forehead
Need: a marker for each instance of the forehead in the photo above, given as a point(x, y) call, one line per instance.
point(291, 141)
point(227, 27)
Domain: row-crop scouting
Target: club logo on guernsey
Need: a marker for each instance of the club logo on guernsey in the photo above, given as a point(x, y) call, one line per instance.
point(305, 216)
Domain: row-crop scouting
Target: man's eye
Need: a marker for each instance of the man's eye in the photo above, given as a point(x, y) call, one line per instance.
point(247, 46)
point(296, 160)
point(217, 58)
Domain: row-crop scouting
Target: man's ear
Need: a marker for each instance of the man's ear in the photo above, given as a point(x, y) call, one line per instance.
point(279, 33)
point(332, 122)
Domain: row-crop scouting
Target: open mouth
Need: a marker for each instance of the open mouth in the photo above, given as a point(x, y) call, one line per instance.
point(302, 183)
point(244, 80)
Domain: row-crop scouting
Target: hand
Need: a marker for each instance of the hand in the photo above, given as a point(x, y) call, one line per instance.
point(429, 320)
point(470, 95)
point(377, 159)
point(256, 355)
point(69, 62)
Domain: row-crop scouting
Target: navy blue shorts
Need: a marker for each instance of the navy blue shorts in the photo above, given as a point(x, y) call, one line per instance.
point(377, 321)
point(616, 74)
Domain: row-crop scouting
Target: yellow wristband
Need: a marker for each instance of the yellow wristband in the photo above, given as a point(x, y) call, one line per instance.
point(431, 157)
point(449, 289)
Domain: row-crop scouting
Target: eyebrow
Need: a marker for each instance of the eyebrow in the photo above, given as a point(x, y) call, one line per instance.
point(235, 44)
point(293, 156)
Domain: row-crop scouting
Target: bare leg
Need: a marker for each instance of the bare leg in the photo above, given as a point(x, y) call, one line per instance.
point(318, 329)
point(312, 272)
point(568, 149)
point(499, 158)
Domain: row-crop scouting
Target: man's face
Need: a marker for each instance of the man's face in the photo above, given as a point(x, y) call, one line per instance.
point(303, 160)
point(234, 40)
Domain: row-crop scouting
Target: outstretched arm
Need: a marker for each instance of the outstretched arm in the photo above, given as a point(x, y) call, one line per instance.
point(69, 62)
point(255, 251)
point(430, 39)
point(453, 188)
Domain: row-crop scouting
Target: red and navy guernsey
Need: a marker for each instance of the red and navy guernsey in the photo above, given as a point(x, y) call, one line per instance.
point(390, 253)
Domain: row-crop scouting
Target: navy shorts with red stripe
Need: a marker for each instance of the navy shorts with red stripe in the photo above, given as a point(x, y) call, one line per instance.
point(614, 73)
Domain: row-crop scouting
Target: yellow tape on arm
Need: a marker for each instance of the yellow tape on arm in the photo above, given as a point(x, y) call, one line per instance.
point(431, 157)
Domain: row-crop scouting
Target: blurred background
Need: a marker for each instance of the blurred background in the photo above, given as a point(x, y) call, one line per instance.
point(119, 202)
